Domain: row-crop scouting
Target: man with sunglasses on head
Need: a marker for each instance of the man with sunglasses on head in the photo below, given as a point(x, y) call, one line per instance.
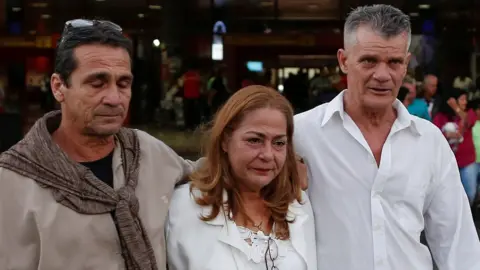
point(79, 191)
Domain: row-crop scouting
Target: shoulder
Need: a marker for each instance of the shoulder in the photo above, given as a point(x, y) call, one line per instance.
point(154, 147)
point(184, 211)
point(311, 115)
point(148, 140)
point(10, 179)
point(302, 207)
point(182, 196)
point(427, 129)
point(309, 118)
point(433, 141)
point(20, 191)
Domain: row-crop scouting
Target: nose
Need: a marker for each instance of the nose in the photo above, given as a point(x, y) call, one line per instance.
point(267, 153)
point(381, 73)
point(112, 96)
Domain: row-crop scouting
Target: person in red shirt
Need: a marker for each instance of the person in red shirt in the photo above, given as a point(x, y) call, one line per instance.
point(192, 85)
point(456, 123)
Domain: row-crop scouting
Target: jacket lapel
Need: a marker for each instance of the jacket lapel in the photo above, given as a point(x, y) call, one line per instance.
point(297, 235)
point(230, 236)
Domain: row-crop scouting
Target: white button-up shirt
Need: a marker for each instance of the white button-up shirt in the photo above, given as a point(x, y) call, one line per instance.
point(370, 217)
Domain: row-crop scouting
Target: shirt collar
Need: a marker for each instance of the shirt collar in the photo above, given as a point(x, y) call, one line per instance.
point(404, 118)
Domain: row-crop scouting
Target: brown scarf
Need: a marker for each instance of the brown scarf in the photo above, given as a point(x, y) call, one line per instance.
point(76, 187)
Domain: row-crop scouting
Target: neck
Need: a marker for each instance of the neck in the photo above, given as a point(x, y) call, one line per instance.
point(252, 200)
point(366, 117)
point(256, 215)
point(82, 148)
point(253, 203)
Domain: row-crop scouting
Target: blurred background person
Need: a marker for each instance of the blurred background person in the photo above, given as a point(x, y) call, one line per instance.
point(404, 96)
point(416, 102)
point(456, 121)
point(218, 91)
point(429, 94)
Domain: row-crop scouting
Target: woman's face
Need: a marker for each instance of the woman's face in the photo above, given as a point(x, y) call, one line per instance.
point(462, 102)
point(257, 148)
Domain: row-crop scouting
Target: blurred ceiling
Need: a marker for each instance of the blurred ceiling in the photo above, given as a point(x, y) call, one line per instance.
point(134, 15)
point(329, 9)
point(52, 14)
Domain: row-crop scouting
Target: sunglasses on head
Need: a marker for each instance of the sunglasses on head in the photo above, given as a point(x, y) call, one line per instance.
point(81, 23)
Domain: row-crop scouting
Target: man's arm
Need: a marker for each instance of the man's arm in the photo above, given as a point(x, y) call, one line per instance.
point(19, 236)
point(188, 168)
point(449, 226)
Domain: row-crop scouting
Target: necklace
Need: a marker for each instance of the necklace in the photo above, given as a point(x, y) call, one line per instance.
point(258, 226)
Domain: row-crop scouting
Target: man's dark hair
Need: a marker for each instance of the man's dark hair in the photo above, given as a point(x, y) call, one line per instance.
point(65, 61)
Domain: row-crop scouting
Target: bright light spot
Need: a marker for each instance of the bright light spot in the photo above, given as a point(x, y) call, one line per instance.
point(156, 43)
point(217, 52)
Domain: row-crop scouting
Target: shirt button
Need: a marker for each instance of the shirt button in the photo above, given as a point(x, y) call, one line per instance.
point(380, 262)
point(377, 227)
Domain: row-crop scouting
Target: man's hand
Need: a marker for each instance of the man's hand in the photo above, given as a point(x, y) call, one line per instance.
point(302, 172)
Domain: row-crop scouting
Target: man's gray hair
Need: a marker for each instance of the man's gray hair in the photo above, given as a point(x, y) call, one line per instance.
point(386, 20)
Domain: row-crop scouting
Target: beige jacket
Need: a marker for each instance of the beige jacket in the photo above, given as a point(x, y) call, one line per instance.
point(37, 233)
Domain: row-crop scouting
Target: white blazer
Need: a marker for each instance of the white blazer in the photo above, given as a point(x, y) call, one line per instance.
point(193, 244)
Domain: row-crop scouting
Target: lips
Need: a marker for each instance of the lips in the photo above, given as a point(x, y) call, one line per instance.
point(380, 89)
point(261, 171)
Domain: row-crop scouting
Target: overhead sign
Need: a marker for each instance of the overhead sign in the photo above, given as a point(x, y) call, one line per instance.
point(219, 28)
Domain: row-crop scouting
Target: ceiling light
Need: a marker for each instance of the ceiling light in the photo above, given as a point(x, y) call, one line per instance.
point(157, 7)
point(39, 5)
point(413, 14)
point(141, 15)
point(45, 16)
point(424, 6)
point(16, 9)
point(266, 3)
point(156, 43)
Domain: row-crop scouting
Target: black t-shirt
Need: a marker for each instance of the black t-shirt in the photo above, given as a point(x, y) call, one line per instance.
point(102, 169)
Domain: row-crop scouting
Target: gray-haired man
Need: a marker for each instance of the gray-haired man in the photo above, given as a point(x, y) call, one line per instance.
point(378, 175)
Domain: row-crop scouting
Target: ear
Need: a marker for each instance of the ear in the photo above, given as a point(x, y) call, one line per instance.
point(407, 62)
point(342, 60)
point(58, 87)
point(225, 144)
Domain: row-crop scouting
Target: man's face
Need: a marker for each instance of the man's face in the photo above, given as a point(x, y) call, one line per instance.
point(375, 67)
point(97, 100)
point(430, 86)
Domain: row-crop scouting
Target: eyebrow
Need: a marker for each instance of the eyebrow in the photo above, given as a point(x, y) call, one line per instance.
point(103, 76)
point(263, 135)
point(374, 57)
